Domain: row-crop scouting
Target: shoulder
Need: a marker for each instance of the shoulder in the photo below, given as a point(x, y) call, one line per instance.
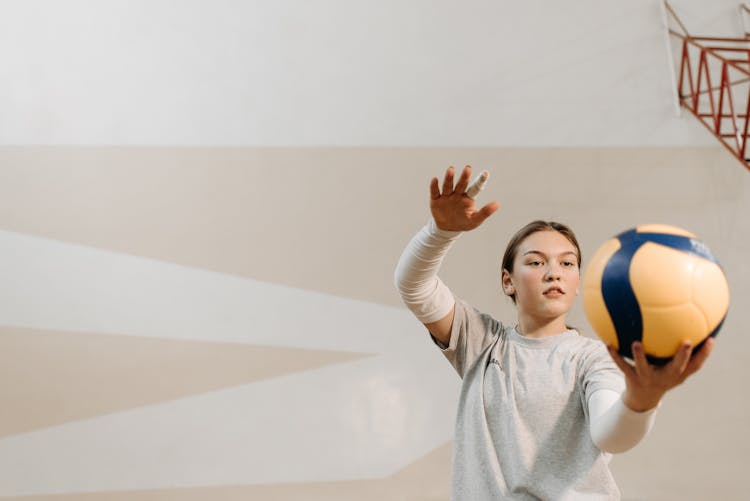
point(589, 352)
point(468, 316)
point(595, 367)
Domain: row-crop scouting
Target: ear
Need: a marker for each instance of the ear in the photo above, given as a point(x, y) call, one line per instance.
point(507, 281)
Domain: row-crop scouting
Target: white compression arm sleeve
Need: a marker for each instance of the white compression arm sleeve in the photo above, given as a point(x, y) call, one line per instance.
point(614, 427)
point(416, 273)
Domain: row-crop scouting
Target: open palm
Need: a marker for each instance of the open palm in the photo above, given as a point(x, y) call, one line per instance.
point(454, 208)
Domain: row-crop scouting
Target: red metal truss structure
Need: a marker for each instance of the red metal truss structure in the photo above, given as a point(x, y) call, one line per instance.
point(713, 82)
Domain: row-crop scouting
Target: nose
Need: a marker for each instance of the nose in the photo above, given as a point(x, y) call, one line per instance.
point(552, 273)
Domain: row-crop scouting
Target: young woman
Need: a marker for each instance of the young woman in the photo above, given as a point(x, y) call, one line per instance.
point(542, 408)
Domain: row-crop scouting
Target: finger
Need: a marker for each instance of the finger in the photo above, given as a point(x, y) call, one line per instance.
point(679, 362)
point(448, 182)
point(642, 367)
point(625, 367)
point(434, 189)
point(463, 180)
point(477, 185)
point(699, 357)
point(479, 216)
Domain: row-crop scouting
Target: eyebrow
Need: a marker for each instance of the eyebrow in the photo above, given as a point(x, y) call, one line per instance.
point(545, 255)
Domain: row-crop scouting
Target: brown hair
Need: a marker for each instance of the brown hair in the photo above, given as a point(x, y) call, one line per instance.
point(533, 227)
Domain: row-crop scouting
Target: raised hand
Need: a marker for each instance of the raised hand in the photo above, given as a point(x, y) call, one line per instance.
point(646, 384)
point(454, 208)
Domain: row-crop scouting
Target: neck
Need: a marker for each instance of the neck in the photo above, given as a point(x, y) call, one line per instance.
point(540, 327)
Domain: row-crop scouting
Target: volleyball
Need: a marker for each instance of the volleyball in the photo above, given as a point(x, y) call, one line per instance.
point(656, 284)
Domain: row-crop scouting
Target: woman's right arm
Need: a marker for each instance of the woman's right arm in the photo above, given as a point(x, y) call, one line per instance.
point(421, 289)
point(453, 211)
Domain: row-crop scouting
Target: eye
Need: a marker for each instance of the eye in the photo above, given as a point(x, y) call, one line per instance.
point(569, 264)
point(535, 263)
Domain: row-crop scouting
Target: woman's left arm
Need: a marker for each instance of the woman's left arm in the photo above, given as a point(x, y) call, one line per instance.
point(619, 421)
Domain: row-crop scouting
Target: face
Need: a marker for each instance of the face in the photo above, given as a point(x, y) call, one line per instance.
point(545, 277)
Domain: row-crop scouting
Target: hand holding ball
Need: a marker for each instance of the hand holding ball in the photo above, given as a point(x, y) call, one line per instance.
point(656, 284)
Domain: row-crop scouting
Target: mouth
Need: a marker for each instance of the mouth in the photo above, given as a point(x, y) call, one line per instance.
point(554, 292)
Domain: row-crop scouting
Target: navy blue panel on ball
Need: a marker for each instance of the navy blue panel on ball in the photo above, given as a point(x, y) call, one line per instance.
point(617, 290)
point(619, 297)
point(678, 242)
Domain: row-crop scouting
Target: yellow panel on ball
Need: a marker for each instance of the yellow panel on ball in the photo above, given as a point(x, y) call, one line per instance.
point(593, 301)
point(711, 292)
point(662, 276)
point(664, 228)
point(665, 328)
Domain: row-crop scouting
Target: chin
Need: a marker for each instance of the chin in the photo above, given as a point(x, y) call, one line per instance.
point(547, 310)
point(556, 311)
